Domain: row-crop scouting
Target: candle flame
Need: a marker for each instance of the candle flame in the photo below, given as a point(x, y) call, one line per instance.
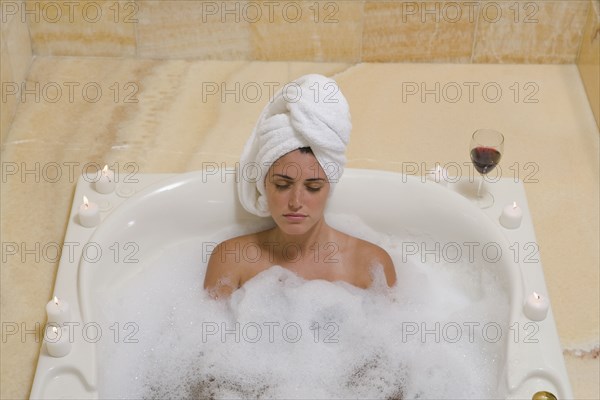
point(105, 172)
point(514, 204)
point(55, 330)
point(536, 295)
point(55, 300)
point(86, 202)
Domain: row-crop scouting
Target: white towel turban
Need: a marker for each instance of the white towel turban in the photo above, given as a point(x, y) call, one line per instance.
point(308, 112)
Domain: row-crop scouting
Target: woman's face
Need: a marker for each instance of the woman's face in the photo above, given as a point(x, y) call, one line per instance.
point(297, 190)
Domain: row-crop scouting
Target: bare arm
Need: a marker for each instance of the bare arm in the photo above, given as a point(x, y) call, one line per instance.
point(381, 257)
point(370, 258)
point(222, 278)
point(388, 268)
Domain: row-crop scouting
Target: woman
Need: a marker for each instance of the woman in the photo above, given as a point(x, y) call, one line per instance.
point(297, 149)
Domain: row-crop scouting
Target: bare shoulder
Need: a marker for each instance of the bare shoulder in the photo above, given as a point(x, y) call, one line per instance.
point(371, 254)
point(223, 272)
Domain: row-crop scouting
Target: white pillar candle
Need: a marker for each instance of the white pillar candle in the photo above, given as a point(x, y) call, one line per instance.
point(57, 341)
point(58, 311)
point(511, 216)
point(106, 183)
point(536, 307)
point(89, 213)
point(438, 175)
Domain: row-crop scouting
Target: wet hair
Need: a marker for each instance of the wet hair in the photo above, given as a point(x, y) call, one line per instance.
point(305, 150)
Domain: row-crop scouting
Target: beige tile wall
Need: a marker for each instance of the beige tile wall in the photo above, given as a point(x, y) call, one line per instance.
point(407, 31)
point(349, 31)
point(310, 31)
point(589, 59)
point(530, 32)
point(16, 56)
point(500, 31)
point(185, 29)
point(82, 28)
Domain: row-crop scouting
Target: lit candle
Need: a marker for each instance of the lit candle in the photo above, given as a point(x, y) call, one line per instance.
point(536, 307)
point(511, 216)
point(89, 213)
point(106, 183)
point(438, 175)
point(57, 341)
point(58, 311)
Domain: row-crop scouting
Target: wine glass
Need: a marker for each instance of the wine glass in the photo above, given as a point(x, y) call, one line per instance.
point(486, 149)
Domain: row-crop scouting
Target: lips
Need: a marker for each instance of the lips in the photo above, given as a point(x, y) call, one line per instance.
point(295, 217)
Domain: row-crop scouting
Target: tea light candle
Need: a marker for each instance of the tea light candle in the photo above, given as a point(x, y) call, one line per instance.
point(438, 175)
point(57, 341)
point(511, 216)
point(536, 307)
point(106, 183)
point(58, 311)
point(89, 213)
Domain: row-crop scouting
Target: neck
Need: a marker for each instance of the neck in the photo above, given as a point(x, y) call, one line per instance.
point(319, 233)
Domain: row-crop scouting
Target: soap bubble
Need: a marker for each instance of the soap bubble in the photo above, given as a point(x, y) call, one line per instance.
point(280, 336)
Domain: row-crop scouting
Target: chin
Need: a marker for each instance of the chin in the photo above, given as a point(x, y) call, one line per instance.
point(294, 229)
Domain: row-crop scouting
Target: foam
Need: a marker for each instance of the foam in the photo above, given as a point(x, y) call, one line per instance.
point(354, 343)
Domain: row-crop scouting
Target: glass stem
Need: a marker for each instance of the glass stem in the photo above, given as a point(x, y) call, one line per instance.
point(479, 187)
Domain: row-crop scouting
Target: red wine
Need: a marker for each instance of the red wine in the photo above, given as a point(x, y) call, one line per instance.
point(485, 159)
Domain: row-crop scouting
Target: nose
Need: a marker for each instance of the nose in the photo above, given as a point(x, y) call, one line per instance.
point(295, 200)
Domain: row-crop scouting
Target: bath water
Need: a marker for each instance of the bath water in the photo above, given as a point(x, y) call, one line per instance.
point(439, 333)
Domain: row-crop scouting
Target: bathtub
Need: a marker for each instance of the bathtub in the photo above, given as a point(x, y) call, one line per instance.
point(150, 213)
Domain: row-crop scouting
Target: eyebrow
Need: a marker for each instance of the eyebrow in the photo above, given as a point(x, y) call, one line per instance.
point(289, 178)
